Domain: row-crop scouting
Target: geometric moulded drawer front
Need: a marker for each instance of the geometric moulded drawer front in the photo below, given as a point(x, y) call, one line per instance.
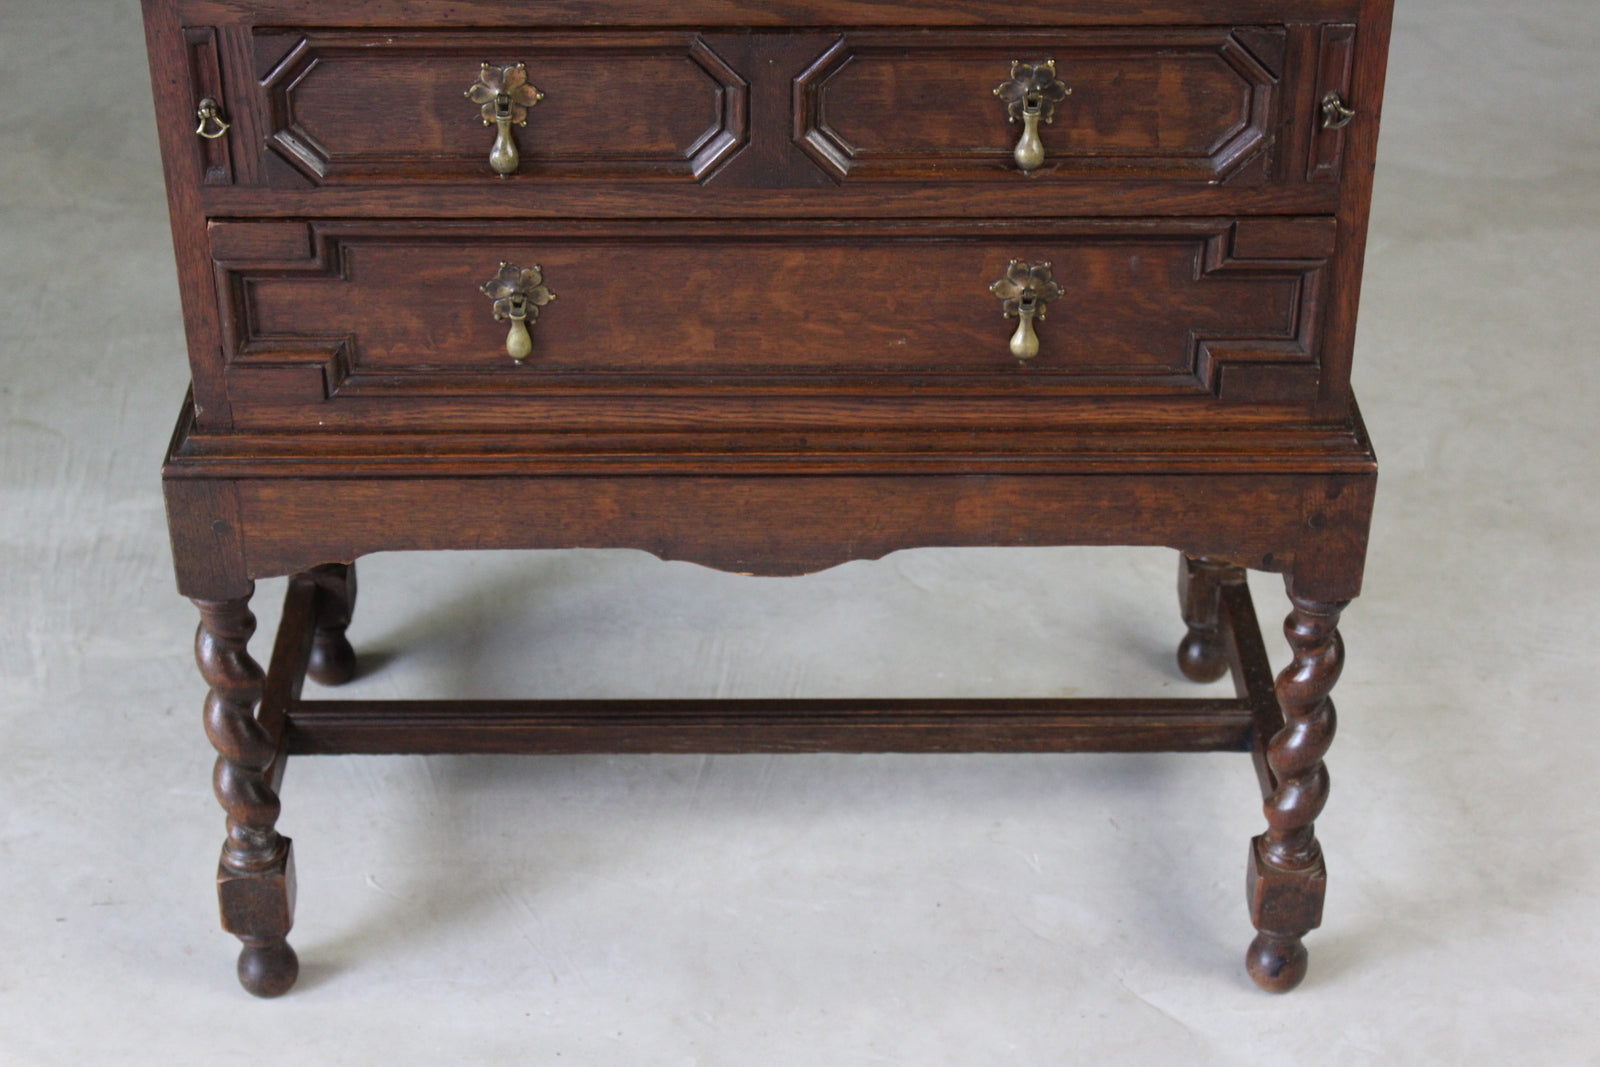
point(347, 107)
point(1219, 309)
point(1170, 104)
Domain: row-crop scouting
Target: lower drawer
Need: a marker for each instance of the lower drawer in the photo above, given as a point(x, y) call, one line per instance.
point(371, 325)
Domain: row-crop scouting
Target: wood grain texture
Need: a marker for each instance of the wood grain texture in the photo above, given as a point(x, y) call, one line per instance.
point(732, 522)
point(1016, 197)
point(344, 107)
point(207, 538)
point(183, 162)
point(1355, 193)
point(787, 13)
point(1175, 104)
point(1181, 308)
point(1015, 447)
point(329, 727)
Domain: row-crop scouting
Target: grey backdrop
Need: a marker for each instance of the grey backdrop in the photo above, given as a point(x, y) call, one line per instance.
point(827, 910)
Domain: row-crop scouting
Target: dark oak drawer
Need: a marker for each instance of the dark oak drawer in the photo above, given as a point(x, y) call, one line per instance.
point(1187, 104)
point(327, 322)
point(344, 108)
point(1180, 107)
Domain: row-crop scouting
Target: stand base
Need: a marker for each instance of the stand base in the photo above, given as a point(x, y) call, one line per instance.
point(258, 906)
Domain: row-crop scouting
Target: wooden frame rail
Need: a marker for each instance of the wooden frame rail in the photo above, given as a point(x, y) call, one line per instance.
point(380, 727)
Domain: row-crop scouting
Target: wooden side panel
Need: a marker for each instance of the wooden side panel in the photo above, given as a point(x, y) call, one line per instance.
point(207, 538)
point(1355, 202)
point(184, 163)
point(1335, 63)
point(205, 75)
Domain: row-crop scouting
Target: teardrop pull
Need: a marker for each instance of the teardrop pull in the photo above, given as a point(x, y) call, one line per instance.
point(1025, 290)
point(504, 95)
point(519, 342)
point(504, 159)
point(1029, 152)
point(1025, 342)
point(518, 294)
point(1031, 95)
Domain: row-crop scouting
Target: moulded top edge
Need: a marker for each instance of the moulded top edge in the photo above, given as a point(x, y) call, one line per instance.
point(757, 13)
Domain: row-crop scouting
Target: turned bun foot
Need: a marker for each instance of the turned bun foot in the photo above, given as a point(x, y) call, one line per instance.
point(1276, 964)
point(333, 661)
point(1200, 581)
point(1200, 657)
point(268, 970)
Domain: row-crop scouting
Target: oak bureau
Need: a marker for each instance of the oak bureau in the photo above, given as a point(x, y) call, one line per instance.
point(768, 286)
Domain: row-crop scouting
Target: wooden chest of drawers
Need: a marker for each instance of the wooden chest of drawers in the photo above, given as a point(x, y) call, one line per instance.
point(768, 287)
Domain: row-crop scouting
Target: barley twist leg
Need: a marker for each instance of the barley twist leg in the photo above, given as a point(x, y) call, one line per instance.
point(1287, 876)
point(255, 877)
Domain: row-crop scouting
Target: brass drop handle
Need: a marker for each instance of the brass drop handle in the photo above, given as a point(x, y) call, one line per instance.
point(212, 125)
point(519, 342)
point(1025, 342)
point(1031, 93)
point(1029, 152)
point(518, 294)
point(503, 96)
point(1024, 291)
point(504, 159)
point(1335, 115)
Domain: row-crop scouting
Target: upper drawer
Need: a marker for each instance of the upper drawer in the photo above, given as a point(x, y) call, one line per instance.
point(759, 113)
point(1198, 104)
point(350, 107)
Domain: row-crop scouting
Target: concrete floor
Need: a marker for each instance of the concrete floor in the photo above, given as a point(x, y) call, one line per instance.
point(827, 910)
